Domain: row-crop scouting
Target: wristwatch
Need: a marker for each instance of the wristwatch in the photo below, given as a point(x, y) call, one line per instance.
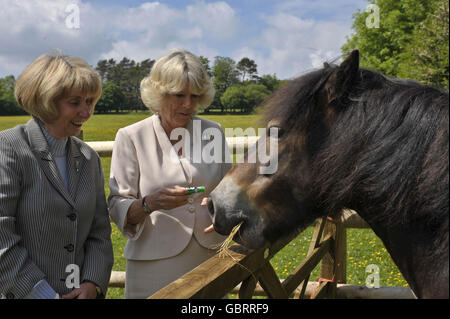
point(145, 206)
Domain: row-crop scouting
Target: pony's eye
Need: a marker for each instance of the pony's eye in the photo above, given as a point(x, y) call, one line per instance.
point(275, 131)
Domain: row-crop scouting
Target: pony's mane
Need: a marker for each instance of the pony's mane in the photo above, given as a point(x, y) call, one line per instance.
point(290, 103)
point(373, 152)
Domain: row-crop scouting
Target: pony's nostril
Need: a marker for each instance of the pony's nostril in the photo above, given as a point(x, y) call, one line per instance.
point(210, 206)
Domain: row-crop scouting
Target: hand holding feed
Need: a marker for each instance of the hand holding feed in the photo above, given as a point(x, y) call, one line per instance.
point(168, 198)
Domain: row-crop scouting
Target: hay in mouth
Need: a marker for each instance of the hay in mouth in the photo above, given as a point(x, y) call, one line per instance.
point(224, 249)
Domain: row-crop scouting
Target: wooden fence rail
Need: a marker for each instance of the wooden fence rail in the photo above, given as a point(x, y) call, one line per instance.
point(240, 273)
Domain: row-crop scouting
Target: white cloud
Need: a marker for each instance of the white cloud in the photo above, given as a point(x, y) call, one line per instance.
point(163, 28)
point(285, 41)
point(147, 16)
point(319, 57)
point(288, 23)
point(217, 19)
point(294, 45)
point(31, 28)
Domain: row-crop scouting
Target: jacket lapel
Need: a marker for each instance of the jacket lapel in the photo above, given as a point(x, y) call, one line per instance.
point(42, 153)
point(170, 151)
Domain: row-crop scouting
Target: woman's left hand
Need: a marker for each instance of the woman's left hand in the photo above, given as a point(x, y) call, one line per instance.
point(87, 290)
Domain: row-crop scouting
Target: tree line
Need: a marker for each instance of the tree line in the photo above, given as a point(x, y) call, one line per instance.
point(238, 86)
point(412, 41)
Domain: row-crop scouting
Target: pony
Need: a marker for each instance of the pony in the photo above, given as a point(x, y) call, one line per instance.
point(351, 138)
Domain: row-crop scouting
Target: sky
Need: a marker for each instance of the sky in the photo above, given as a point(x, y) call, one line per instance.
point(284, 37)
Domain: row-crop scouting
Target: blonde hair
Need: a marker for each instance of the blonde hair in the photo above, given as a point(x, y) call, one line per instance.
point(51, 77)
point(170, 75)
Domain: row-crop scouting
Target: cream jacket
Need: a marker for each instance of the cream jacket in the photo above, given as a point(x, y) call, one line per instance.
point(143, 161)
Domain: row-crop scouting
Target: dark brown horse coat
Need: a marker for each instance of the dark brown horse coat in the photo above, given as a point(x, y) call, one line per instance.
point(352, 138)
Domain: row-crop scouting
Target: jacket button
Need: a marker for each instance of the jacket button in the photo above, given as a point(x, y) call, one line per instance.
point(72, 217)
point(191, 209)
point(190, 200)
point(69, 248)
point(9, 295)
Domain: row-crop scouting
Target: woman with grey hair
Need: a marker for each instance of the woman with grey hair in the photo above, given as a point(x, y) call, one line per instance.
point(153, 163)
point(55, 234)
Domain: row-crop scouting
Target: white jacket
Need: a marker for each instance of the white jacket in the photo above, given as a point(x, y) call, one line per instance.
point(141, 164)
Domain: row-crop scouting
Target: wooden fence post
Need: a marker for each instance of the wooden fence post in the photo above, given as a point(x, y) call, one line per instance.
point(333, 267)
point(327, 266)
point(341, 253)
point(315, 241)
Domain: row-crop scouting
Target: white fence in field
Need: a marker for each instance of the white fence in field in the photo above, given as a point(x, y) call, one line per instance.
point(236, 144)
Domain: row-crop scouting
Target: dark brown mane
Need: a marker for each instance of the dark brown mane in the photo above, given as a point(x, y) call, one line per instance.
point(386, 132)
point(292, 104)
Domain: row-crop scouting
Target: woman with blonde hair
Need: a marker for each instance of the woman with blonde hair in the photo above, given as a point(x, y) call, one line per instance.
point(150, 173)
point(54, 225)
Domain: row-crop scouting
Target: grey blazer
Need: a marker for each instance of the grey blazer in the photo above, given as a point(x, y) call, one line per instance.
point(45, 227)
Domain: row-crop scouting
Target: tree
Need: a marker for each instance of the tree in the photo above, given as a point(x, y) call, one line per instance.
point(255, 95)
point(106, 70)
point(247, 68)
point(244, 97)
point(426, 57)
point(225, 75)
point(102, 69)
point(205, 62)
point(234, 98)
point(271, 82)
point(224, 72)
point(111, 99)
point(383, 48)
point(142, 70)
point(127, 76)
point(127, 82)
point(8, 104)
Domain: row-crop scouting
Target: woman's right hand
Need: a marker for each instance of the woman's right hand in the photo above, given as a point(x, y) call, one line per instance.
point(167, 198)
point(164, 198)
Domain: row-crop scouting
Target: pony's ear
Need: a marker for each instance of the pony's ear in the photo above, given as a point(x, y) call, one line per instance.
point(342, 79)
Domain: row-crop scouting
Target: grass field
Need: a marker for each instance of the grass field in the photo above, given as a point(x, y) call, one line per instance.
point(363, 246)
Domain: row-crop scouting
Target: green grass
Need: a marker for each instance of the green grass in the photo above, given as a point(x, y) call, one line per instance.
point(103, 127)
point(363, 246)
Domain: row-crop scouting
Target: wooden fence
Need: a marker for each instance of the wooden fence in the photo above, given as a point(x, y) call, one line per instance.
point(251, 274)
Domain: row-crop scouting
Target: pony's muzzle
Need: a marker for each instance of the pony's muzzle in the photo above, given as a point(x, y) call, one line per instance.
point(225, 208)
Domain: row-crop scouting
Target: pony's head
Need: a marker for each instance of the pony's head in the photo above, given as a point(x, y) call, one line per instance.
point(298, 118)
